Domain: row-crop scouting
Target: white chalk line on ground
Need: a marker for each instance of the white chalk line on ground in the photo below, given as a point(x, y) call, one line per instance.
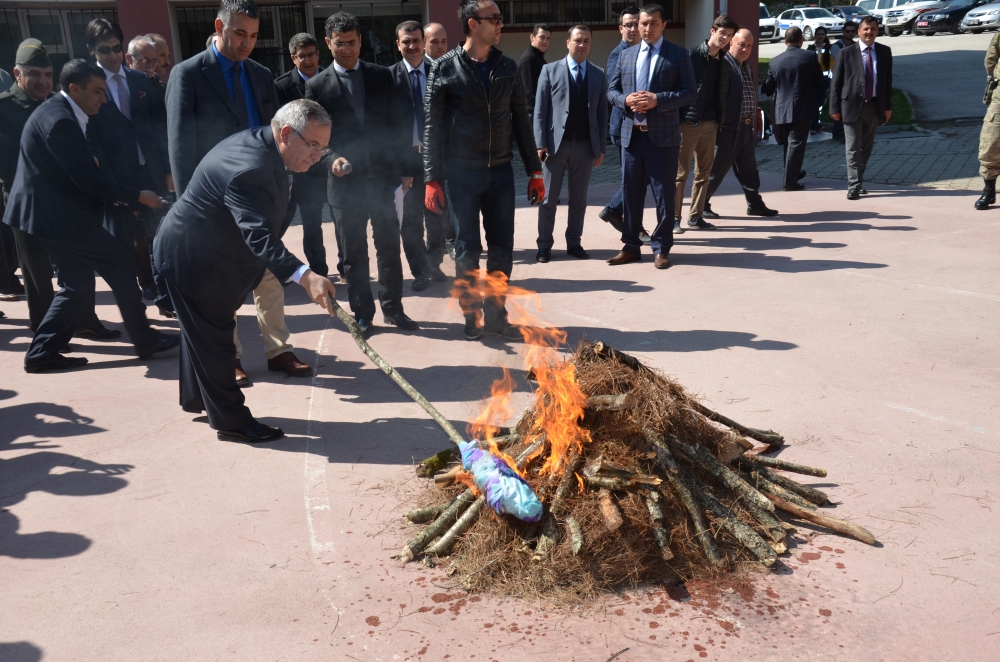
point(935, 417)
point(946, 290)
point(316, 498)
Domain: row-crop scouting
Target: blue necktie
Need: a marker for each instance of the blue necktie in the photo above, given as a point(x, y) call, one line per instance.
point(418, 100)
point(642, 78)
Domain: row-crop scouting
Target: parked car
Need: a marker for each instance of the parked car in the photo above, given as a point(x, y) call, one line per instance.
point(947, 19)
point(878, 8)
point(902, 18)
point(808, 19)
point(986, 17)
point(853, 13)
point(768, 25)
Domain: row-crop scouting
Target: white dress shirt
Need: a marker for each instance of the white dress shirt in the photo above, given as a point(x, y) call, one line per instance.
point(865, 47)
point(113, 84)
point(573, 64)
point(643, 85)
point(81, 117)
point(342, 70)
point(418, 140)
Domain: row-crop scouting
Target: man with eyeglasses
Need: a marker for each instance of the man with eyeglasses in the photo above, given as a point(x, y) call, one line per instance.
point(220, 239)
point(476, 105)
point(130, 131)
point(364, 168)
point(210, 97)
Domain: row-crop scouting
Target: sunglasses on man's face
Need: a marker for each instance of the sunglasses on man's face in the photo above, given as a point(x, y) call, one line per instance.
point(495, 19)
point(108, 50)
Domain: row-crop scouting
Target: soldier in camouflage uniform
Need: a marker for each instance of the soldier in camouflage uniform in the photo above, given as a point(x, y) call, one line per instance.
point(989, 137)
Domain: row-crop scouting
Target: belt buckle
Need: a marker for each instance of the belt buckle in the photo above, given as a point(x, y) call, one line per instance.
point(642, 127)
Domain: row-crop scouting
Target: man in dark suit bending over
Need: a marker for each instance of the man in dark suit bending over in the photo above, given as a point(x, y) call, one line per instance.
point(59, 197)
point(215, 244)
point(861, 97)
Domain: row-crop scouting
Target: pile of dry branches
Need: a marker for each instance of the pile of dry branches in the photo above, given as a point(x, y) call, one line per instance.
point(666, 490)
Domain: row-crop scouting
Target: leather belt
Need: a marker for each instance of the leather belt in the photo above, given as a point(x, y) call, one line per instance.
point(642, 127)
point(746, 120)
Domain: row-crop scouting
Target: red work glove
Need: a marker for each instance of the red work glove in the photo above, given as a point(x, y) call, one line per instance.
point(434, 197)
point(536, 188)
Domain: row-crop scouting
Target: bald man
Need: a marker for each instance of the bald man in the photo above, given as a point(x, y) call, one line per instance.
point(735, 146)
point(435, 40)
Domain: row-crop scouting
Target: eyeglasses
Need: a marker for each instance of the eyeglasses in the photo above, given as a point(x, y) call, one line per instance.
point(630, 26)
point(316, 147)
point(108, 50)
point(495, 19)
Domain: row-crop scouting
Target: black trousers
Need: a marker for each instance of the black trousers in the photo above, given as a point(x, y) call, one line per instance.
point(310, 195)
point(207, 380)
point(75, 265)
point(737, 150)
point(794, 138)
point(411, 231)
point(37, 272)
point(8, 256)
point(359, 201)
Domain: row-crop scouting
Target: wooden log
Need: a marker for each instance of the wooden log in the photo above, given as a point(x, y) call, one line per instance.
point(683, 485)
point(614, 483)
point(424, 515)
point(700, 456)
point(838, 525)
point(529, 452)
point(565, 485)
point(440, 525)
point(764, 485)
point(612, 516)
point(775, 531)
point(547, 539)
point(775, 463)
point(810, 494)
point(597, 403)
point(384, 366)
point(739, 529)
point(437, 462)
point(447, 541)
point(769, 437)
point(575, 535)
point(447, 479)
point(660, 535)
point(626, 359)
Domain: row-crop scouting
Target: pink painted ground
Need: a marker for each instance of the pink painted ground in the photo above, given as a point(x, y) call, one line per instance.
point(866, 332)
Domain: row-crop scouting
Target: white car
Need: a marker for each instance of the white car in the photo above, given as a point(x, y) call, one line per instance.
point(768, 30)
point(982, 18)
point(808, 19)
point(901, 18)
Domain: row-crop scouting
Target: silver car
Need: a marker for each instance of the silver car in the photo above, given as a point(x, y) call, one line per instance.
point(982, 18)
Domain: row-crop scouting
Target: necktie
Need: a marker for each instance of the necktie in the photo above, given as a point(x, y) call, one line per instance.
point(125, 105)
point(418, 102)
point(238, 98)
point(642, 78)
point(576, 75)
point(869, 76)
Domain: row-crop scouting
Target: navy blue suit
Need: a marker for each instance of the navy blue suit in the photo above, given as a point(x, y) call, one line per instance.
point(59, 197)
point(616, 207)
point(212, 249)
point(652, 153)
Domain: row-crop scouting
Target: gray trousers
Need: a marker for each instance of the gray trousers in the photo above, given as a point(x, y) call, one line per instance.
point(577, 158)
point(859, 138)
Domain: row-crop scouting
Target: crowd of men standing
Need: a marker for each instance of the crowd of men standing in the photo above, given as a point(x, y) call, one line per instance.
point(422, 150)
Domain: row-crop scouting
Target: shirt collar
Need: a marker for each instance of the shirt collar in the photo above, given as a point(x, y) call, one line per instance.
point(570, 62)
point(341, 70)
point(422, 68)
point(224, 61)
point(107, 73)
point(657, 45)
point(865, 46)
point(303, 76)
point(81, 117)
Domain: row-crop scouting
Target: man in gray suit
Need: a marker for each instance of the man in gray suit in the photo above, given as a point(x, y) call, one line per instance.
point(571, 129)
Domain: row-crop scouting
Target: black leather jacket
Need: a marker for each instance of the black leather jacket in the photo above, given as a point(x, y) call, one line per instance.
point(465, 128)
point(699, 60)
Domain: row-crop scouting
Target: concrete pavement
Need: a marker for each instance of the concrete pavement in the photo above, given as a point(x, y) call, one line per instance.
point(866, 332)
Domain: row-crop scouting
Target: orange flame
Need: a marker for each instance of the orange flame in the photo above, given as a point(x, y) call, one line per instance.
point(559, 402)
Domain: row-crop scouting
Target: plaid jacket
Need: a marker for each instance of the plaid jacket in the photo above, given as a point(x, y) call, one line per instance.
point(673, 83)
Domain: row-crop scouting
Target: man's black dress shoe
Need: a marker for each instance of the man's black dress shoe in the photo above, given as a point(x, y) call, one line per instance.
point(508, 332)
point(864, 191)
point(54, 362)
point(254, 433)
point(166, 312)
point(708, 213)
point(420, 282)
point(802, 174)
point(438, 276)
point(164, 343)
point(100, 333)
point(366, 326)
point(543, 255)
point(401, 321)
point(578, 252)
point(761, 211)
point(614, 220)
point(148, 293)
point(853, 194)
point(797, 187)
point(473, 331)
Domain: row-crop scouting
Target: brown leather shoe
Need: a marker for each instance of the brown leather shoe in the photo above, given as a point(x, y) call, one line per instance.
point(288, 364)
point(241, 377)
point(661, 261)
point(625, 258)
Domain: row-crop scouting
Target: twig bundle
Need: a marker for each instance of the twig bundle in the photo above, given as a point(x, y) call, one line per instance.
point(664, 490)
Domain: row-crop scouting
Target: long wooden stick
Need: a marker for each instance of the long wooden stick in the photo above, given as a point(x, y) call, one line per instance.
point(438, 417)
point(784, 465)
point(464, 523)
point(443, 522)
point(769, 437)
point(724, 474)
point(739, 530)
point(818, 497)
point(838, 525)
